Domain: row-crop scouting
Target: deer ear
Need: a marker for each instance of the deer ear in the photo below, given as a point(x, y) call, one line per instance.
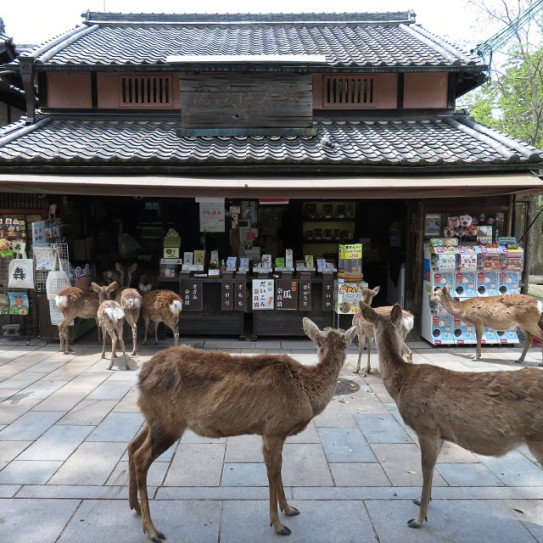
point(396, 314)
point(119, 267)
point(95, 287)
point(133, 268)
point(367, 312)
point(376, 290)
point(311, 329)
point(113, 286)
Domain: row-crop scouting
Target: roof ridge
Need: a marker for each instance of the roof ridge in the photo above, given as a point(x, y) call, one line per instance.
point(60, 39)
point(396, 17)
point(451, 56)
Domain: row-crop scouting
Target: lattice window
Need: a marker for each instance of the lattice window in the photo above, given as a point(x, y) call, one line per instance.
point(146, 91)
point(349, 91)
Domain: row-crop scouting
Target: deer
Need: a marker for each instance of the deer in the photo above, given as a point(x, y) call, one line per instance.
point(365, 328)
point(488, 413)
point(130, 300)
point(162, 306)
point(218, 394)
point(75, 302)
point(110, 318)
point(496, 312)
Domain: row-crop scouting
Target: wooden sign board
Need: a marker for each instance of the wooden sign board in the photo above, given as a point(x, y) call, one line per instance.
point(304, 296)
point(227, 295)
point(327, 292)
point(192, 294)
point(215, 101)
point(240, 295)
point(286, 294)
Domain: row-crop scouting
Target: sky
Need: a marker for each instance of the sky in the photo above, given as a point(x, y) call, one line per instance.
point(35, 21)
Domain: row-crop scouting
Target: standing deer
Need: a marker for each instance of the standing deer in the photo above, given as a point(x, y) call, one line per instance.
point(216, 394)
point(365, 328)
point(130, 300)
point(496, 312)
point(110, 318)
point(162, 306)
point(75, 302)
point(488, 413)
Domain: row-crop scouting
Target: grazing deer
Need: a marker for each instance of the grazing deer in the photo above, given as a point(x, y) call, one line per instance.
point(75, 302)
point(496, 312)
point(110, 318)
point(365, 328)
point(217, 394)
point(130, 300)
point(488, 413)
point(162, 306)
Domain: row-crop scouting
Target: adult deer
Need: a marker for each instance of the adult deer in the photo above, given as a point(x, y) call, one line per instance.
point(365, 328)
point(75, 302)
point(162, 306)
point(496, 312)
point(488, 413)
point(217, 394)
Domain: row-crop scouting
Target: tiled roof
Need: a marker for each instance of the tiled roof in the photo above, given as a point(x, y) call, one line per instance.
point(434, 143)
point(349, 40)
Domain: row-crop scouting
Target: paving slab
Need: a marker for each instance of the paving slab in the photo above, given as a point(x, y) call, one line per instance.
point(345, 445)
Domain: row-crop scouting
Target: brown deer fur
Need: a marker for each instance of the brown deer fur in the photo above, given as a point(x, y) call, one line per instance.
point(75, 302)
point(162, 306)
point(110, 318)
point(487, 413)
point(216, 394)
point(496, 312)
point(365, 328)
point(130, 300)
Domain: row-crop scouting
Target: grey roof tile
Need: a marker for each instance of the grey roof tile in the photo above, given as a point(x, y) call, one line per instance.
point(430, 141)
point(347, 40)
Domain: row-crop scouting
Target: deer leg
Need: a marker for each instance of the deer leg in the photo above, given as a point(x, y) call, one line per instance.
point(104, 336)
point(174, 327)
point(429, 447)
point(156, 332)
point(121, 341)
point(368, 346)
point(98, 329)
point(479, 331)
point(272, 451)
point(113, 348)
point(145, 328)
point(361, 340)
point(527, 345)
point(133, 446)
point(155, 442)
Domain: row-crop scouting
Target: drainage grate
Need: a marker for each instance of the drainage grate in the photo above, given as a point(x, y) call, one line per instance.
point(344, 386)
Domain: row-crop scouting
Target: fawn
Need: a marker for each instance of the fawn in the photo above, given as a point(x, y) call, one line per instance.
point(365, 328)
point(488, 413)
point(130, 300)
point(217, 394)
point(110, 318)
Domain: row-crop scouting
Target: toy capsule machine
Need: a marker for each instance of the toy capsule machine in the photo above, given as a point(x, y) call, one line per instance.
point(466, 273)
point(511, 269)
point(464, 334)
point(488, 274)
point(439, 271)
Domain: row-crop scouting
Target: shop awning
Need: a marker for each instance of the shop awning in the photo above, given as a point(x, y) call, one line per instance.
point(276, 187)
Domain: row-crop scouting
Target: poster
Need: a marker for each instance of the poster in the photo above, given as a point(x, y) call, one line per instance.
point(212, 216)
point(18, 303)
point(263, 294)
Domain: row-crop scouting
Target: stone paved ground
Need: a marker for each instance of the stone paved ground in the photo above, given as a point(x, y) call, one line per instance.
point(65, 422)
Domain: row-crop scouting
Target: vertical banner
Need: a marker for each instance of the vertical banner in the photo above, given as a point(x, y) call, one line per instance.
point(262, 294)
point(192, 293)
point(240, 295)
point(327, 292)
point(304, 297)
point(286, 294)
point(227, 295)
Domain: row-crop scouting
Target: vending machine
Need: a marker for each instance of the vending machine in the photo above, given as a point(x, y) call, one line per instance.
point(488, 275)
point(466, 273)
point(512, 262)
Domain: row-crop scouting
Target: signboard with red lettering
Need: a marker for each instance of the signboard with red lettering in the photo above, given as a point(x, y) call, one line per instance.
point(262, 294)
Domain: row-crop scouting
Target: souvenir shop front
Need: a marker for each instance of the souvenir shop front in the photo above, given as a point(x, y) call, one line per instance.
point(250, 262)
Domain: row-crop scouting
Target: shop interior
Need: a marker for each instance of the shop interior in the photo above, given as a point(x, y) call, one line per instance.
point(104, 230)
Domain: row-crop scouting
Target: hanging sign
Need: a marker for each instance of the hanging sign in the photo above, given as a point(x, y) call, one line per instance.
point(304, 293)
point(327, 292)
point(240, 295)
point(227, 295)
